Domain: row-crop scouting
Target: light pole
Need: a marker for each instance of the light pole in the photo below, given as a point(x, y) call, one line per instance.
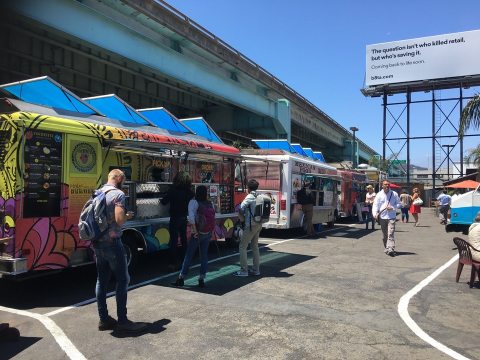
point(354, 155)
point(448, 159)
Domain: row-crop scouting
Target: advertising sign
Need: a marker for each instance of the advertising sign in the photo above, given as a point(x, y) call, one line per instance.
point(434, 57)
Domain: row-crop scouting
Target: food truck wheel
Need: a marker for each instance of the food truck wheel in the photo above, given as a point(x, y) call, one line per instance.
point(131, 249)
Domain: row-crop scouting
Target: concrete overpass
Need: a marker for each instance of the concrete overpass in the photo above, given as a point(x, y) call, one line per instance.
point(150, 55)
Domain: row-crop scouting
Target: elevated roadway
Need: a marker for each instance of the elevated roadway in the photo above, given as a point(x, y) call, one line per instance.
point(150, 54)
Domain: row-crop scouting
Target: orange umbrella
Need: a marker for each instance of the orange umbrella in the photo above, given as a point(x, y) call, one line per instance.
point(465, 184)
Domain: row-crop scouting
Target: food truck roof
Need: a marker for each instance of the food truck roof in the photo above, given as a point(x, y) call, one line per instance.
point(117, 133)
point(164, 119)
point(115, 108)
point(46, 91)
point(200, 127)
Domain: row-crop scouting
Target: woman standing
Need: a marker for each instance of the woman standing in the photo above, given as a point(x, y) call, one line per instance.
point(201, 217)
point(369, 198)
point(415, 209)
point(406, 200)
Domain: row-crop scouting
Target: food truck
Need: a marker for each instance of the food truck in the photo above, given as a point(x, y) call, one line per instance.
point(463, 211)
point(281, 172)
point(352, 193)
point(56, 149)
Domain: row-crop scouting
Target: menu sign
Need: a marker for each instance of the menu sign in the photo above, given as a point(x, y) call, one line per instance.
point(43, 169)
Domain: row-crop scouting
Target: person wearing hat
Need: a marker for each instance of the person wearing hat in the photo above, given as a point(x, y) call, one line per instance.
point(369, 198)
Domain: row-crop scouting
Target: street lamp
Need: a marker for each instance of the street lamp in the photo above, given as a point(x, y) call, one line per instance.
point(448, 159)
point(354, 155)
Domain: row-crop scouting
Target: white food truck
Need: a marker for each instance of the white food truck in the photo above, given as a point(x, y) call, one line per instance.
point(281, 173)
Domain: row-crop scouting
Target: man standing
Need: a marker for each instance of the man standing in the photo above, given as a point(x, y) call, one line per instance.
point(385, 208)
point(110, 257)
point(444, 201)
point(251, 232)
point(306, 198)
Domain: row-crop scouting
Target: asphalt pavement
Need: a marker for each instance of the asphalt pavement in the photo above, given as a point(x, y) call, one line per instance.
point(334, 297)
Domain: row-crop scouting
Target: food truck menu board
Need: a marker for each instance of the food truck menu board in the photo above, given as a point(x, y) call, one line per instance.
point(43, 169)
point(226, 199)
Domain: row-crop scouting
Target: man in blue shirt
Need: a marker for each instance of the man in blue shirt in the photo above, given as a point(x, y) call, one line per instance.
point(444, 201)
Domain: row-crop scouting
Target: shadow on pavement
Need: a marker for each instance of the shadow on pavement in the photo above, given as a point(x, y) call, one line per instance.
point(152, 328)
point(400, 253)
point(220, 279)
point(12, 348)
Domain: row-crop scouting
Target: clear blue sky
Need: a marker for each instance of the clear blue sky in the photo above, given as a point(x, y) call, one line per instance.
point(318, 49)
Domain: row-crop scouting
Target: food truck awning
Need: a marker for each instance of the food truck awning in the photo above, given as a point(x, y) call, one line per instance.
point(45, 91)
point(465, 184)
point(164, 119)
point(200, 127)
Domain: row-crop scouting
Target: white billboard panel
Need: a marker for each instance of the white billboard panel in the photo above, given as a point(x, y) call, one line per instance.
point(433, 57)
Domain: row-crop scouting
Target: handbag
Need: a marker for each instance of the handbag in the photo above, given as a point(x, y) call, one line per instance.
point(418, 202)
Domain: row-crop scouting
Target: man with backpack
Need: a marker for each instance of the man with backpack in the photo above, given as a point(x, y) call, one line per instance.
point(110, 257)
point(253, 225)
point(201, 218)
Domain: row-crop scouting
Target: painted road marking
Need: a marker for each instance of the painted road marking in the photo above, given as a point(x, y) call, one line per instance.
point(64, 342)
point(146, 282)
point(67, 346)
point(403, 311)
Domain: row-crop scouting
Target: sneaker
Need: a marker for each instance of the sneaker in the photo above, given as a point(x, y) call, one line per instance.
point(241, 273)
point(178, 282)
point(391, 253)
point(201, 283)
point(254, 273)
point(130, 326)
point(108, 324)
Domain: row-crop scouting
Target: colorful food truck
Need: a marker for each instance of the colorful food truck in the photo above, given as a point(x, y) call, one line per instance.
point(281, 172)
point(56, 149)
point(463, 211)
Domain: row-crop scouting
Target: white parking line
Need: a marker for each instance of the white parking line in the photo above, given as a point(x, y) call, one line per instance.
point(67, 346)
point(57, 333)
point(403, 311)
point(92, 300)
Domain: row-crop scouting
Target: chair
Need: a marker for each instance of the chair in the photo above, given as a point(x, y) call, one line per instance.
point(465, 258)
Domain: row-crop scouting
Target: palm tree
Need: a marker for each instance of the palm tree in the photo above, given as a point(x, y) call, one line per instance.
point(471, 117)
point(474, 156)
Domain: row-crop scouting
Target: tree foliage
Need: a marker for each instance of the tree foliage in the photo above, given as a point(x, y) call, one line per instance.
point(470, 116)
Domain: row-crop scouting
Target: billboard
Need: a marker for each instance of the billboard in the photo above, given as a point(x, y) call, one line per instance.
point(433, 57)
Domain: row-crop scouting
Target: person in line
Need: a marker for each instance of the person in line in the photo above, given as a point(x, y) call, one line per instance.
point(178, 196)
point(251, 232)
point(444, 201)
point(110, 257)
point(198, 239)
point(385, 208)
point(405, 199)
point(305, 197)
point(369, 198)
point(415, 209)
point(474, 237)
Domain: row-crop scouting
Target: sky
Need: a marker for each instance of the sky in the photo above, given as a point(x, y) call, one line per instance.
point(318, 48)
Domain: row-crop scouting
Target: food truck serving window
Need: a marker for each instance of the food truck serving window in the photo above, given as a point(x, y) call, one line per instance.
point(42, 177)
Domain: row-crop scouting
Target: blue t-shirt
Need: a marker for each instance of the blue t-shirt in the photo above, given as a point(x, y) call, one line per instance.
point(444, 199)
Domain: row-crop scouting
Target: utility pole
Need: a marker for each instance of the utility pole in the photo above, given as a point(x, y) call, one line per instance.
point(354, 154)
